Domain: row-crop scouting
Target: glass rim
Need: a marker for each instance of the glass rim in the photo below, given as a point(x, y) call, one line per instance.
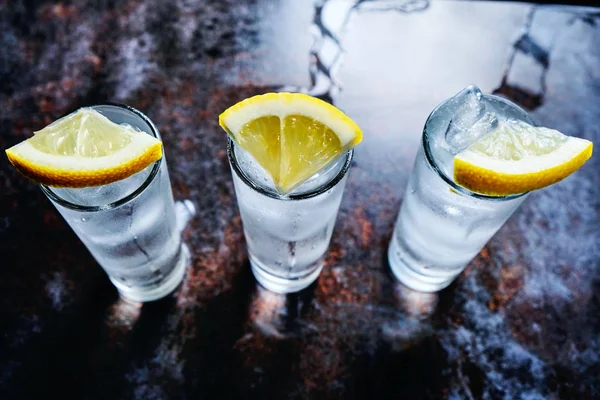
point(156, 166)
point(292, 197)
point(444, 177)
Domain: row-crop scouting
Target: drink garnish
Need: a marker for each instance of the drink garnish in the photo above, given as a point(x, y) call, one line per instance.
point(517, 158)
point(84, 149)
point(291, 135)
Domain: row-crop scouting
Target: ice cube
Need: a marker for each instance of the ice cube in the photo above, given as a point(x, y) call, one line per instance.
point(253, 170)
point(459, 137)
point(322, 177)
point(470, 122)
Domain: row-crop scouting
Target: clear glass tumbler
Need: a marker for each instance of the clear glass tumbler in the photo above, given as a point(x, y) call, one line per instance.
point(442, 226)
point(129, 226)
point(287, 236)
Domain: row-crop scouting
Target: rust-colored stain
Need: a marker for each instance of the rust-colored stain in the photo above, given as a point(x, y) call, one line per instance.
point(363, 225)
point(510, 283)
point(57, 11)
point(346, 285)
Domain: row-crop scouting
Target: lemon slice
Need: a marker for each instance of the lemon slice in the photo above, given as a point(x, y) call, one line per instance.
point(291, 135)
point(84, 149)
point(517, 158)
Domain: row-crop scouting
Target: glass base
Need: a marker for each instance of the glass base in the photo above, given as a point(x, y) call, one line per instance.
point(167, 286)
point(281, 285)
point(412, 279)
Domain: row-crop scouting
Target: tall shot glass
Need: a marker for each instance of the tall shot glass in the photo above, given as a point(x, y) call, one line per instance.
point(442, 226)
point(287, 236)
point(129, 226)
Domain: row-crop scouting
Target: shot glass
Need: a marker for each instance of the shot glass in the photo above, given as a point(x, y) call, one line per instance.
point(287, 236)
point(129, 226)
point(442, 226)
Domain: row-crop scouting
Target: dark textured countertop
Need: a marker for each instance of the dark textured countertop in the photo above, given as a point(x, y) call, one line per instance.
point(522, 322)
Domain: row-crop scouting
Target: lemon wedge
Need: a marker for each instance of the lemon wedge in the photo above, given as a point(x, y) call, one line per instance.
point(517, 158)
point(84, 149)
point(291, 135)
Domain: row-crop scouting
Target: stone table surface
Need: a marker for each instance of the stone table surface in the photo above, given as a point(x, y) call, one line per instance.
point(522, 322)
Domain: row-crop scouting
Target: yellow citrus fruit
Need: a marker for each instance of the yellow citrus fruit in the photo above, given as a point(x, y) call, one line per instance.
point(84, 149)
point(291, 135)
point(517, 158)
